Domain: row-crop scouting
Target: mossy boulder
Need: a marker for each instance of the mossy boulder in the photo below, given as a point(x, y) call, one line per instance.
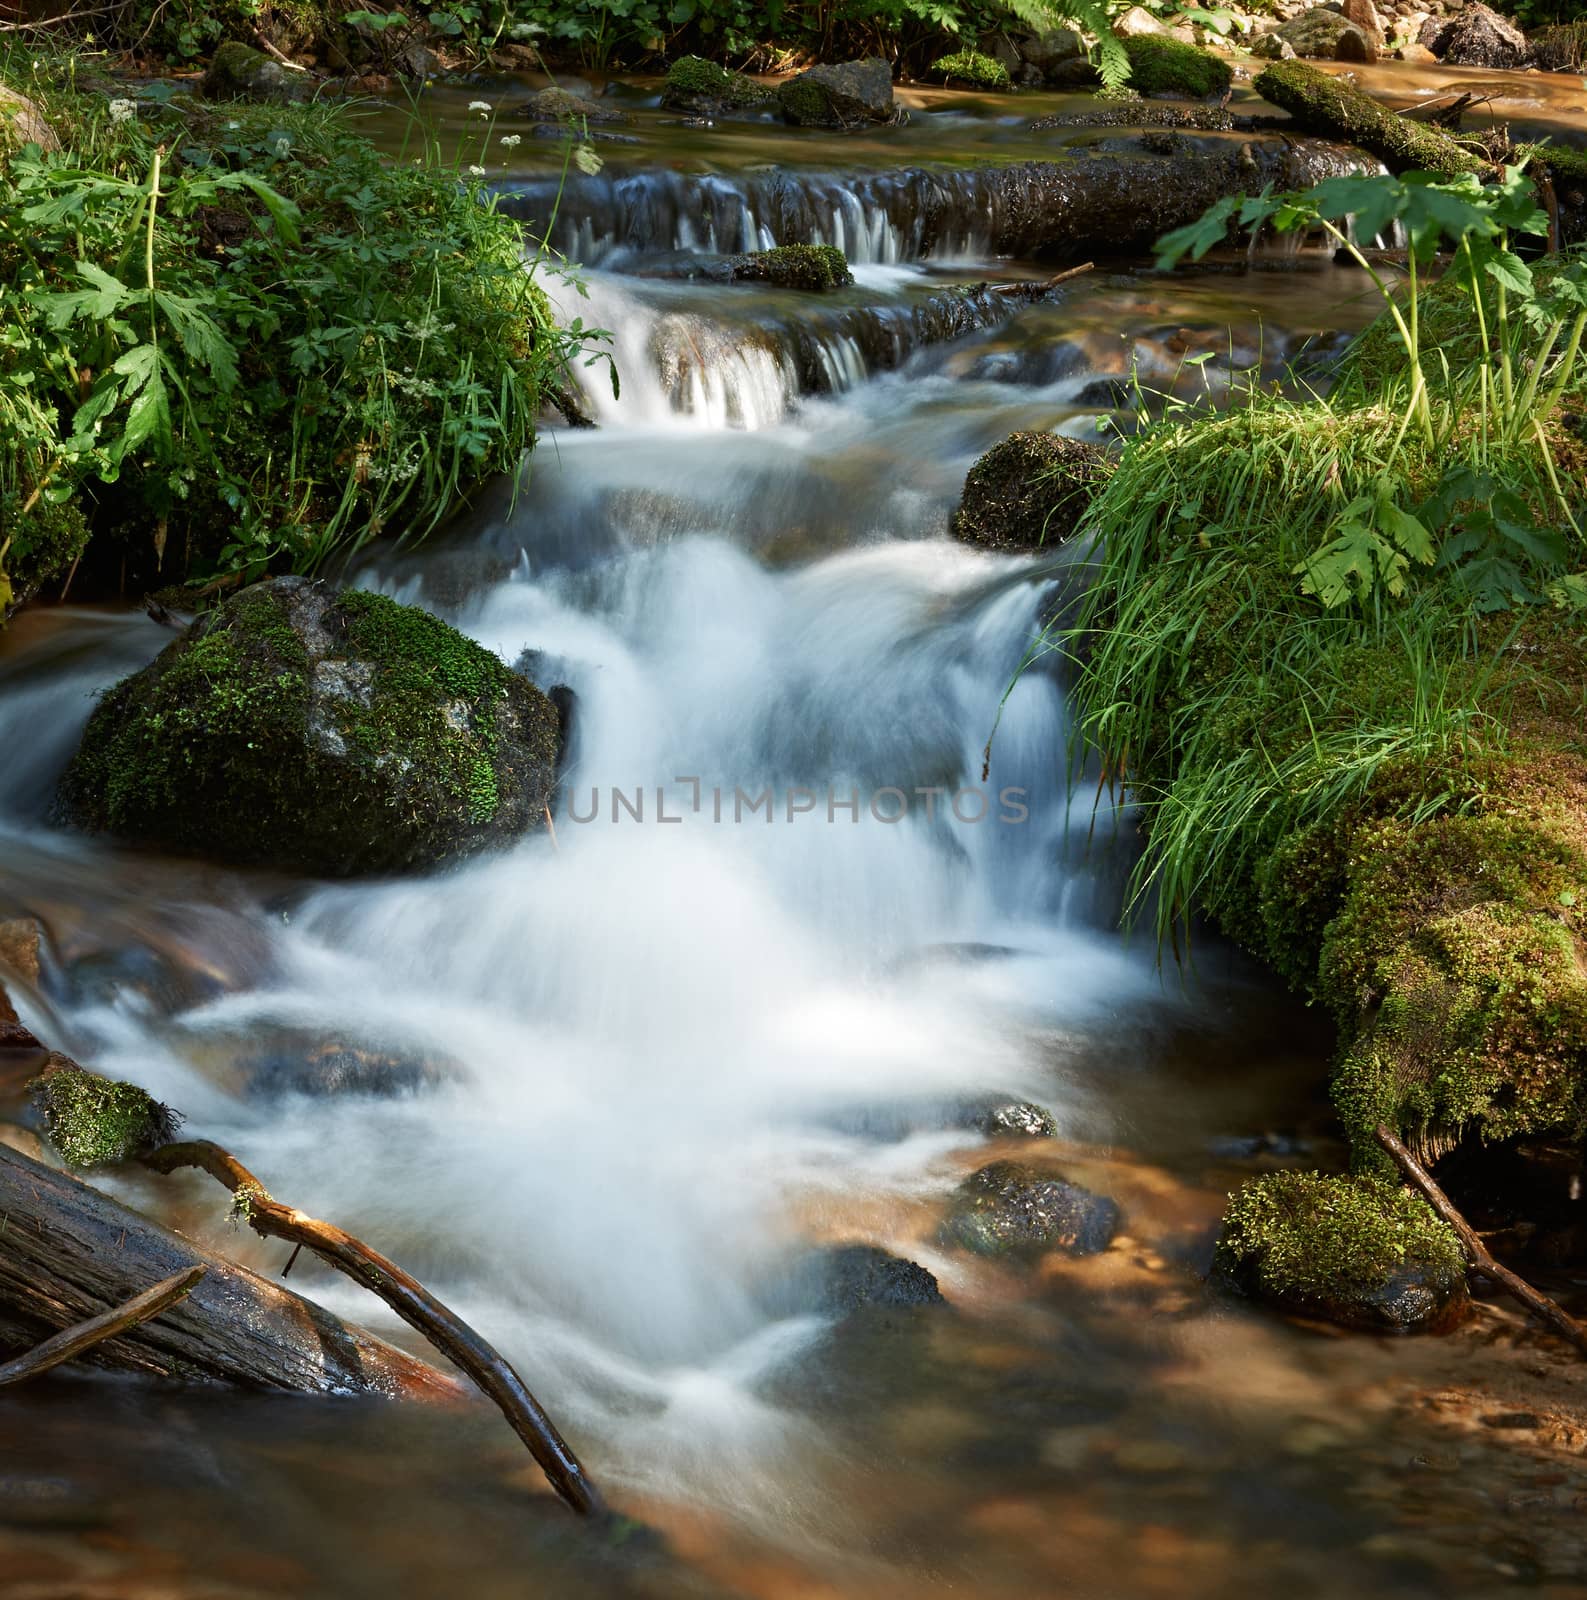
point(795, 266)
point(319, 732)
point(1161, 65)
point(38, 546)
point(699, 86)
point(1361, 1252)
point(239, 72)
point(970, 69)
point(845, 94)
point(1315, 33)
point(94, 1121)
point(1010, 1209)
point(1029, 492)
point(555, 106)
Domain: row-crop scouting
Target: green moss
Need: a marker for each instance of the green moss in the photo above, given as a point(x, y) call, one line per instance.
point(805, 103)
point(972, 68)
point(40, 546)
point(692, 79)
point(1160, 65)
point(1324, 104)
point(1321, 1244)
point(796, 266)
point(1029, 492)
point(94, 1121)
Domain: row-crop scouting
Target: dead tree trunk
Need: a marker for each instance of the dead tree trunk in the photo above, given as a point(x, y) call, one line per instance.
point(68, 1252)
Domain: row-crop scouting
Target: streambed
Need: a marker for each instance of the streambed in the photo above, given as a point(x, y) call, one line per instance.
point(662, 1060)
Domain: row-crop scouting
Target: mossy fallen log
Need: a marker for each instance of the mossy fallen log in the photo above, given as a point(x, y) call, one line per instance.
point(1321, 103)
point(67, 1252)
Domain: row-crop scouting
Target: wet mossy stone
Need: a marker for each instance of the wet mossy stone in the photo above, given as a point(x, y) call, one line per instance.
point(1315, 33)
point(1167, 66)
point(1009, 1209)
point(239, 72)
point(841, 95)
point(1029, 492)
point(971, 69)
point(1360, 1251)
point(94, 1121)
point(556, 106)
point(697, 85)
point(848, 1277)
point(795, 266)
point(318, 732)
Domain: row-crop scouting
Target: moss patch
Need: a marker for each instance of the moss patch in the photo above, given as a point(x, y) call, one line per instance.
point(971, 68)
point(1360, 1251)
point(329, 734)
point(1029, 492)
point(1323, 104)
point(1167, 66)
point(693, 83)
point(94, 1121)
point(796, 266)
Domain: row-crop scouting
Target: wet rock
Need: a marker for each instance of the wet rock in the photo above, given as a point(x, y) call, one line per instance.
point(847, 1277)
point(1052, 48)
point(1273, 47)
point(1139, 23)
point(1009, 1209)
point(239, 72)
point(815, 267)
point(1477, 37)
point(319, 732)
point(843, 95)
point(21, 122)
point(1416, 54)
point(1029, 492)
point(1364, 15)
point(1360, 1252)
point(322, 1068)
point(558, 106)
point(1356, 44)
point(999, 1118)
point(21, 948)
point(702, 88)
point(1315, 33)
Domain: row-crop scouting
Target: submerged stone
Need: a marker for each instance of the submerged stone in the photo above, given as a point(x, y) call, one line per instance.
point(1361, 1252)
point(1315, 33)
point(319, 732)
point(1009, 1209)
point(1029, 492)
point(557, 106)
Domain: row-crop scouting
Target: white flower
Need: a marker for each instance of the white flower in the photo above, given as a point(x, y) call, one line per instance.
point(587, 160)
point(123, 110)
point(481, 106)
point(524, 30)
point(283, 145)
point(510, 141)
point(476, 172)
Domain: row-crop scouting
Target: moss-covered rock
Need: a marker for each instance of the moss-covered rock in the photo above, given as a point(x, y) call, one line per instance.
point(795, 266)
point(239, 72)
point(1361, 1252)
point(555, 106)
point(1327, 105)
point(972, 70)
point(318, 732)
point(696, 85)
point(1160, 65)
point(94, 1121)
point(1010, 1209)
point(1315, 33)
point(845, 94)
point(1029, 492)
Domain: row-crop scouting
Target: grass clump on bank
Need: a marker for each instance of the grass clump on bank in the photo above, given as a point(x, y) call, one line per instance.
point(239, 341)
point(1336, 648)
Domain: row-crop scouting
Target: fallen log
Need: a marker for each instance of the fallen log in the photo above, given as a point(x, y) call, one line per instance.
point(1321, 103)
point(67, 1252)
point(271, 1219)
point(1477, 1253)
point(81, 1337)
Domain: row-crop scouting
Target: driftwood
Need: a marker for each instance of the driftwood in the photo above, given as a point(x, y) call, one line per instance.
point(1480, 1257)
point(67, 1252)
point(271, 1219)
point(83, 1336)
point(1035, 287)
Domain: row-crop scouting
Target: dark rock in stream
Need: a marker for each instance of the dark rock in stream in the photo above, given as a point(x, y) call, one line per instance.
point(558, 106)
point(1009, 1209)
point(844, 94)
point(319, 732)
point(1476, 37)
point(844, 1279)
point(321, 1068)
point(1030, 492)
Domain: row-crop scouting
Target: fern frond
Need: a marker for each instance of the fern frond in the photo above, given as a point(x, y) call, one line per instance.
point(1112, 64)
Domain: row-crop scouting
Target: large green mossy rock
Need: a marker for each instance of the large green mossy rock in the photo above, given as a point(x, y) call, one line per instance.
point(1167, 66)
point(1361, 1252)
point(319, 732)
point(1030, 492)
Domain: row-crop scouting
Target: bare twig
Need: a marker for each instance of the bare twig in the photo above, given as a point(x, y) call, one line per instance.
point(52, 22)
point(1481, 1258)
point(71, 1342)
point(411, 1301)
point(269, 49)
point(1041, 285)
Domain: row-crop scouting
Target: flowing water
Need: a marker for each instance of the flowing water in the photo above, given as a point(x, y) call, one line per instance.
point(648, 1064)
